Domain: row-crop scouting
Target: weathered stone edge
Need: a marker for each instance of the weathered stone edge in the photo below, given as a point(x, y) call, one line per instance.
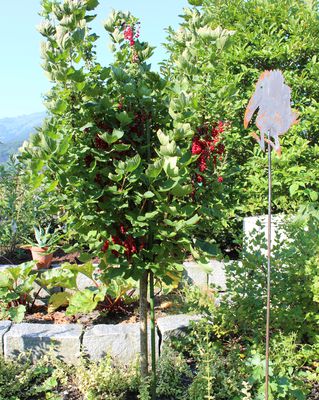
point(160, 335)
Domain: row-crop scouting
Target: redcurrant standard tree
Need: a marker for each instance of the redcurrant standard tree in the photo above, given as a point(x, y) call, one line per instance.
point(119, 166)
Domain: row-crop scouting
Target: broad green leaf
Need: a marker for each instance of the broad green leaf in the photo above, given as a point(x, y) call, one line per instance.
point(85, 301)
point(148, 194)
point(168, 149)
point(148, 215)
point(181, 191)
point(124, 118)
point(293, 189)
point(58, 300)
point(17, 313)
point(153, 170)
point(314, 195)
point(170, 166)
point(91, 4)
point(132, 163)
point(113, 137)
point(121, 147)
point(164, 139)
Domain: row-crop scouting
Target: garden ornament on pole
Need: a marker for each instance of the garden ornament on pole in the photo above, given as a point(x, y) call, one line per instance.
point(275, 116)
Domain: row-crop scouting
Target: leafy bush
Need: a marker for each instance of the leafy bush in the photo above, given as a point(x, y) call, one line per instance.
point(275, 34)
point(19, 209)
point(26, 381)
point(101, 380)
point(15, 291)
point(173, 375)
point(294, 283)
point(110, 294)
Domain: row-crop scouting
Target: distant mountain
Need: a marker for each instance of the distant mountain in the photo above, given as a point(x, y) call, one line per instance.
point(13, 132)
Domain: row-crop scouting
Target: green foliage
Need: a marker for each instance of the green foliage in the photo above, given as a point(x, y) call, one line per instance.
point(173, 374)
point(294, 282)
point(15, 291)
point(110, 294)
point(272, 34)
point(44, 238)
point(25, 381)
point(19, 209)
point(102, 380)
point(198, 300)
point(120, 166)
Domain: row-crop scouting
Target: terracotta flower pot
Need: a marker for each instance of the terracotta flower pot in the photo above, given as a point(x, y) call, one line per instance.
point(39, 254)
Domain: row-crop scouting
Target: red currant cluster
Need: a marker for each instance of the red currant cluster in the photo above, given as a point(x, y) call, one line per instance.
point(125, 240)
point(207, 144)
point(139, 120)
point(100, 143)
point(88, 160)
point(130, 35)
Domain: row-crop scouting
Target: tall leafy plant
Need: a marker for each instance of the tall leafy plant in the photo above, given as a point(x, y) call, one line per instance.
point(119, 166)
point(266, 35)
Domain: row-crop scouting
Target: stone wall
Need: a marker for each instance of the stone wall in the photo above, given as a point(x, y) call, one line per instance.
point(69, 341)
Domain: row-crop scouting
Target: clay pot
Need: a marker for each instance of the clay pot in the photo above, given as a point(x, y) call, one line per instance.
point(39, 255)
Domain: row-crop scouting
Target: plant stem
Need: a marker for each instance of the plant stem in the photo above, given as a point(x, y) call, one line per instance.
point(143, 325)
point(153, 344)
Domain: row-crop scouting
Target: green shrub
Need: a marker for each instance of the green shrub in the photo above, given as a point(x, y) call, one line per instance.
point(294, 280)
point(18, 209)
point(15, 288)
point(22, 380)
point(268, 34)
point(101, 380)
point(173, 374)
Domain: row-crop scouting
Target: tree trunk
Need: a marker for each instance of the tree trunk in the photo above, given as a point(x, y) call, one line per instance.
point(143, 325)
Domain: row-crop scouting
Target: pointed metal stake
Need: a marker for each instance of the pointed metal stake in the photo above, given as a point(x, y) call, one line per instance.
point(268, 270)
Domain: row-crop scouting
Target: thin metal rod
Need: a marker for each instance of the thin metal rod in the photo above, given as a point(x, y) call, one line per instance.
point(153, 344)
point(268, 270)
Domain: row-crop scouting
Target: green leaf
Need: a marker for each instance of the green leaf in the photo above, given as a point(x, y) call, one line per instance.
point(85, 301)
point(124, 118)
point(314, 195)
point(168, 149)
point(293, 189)
point(164, 139)
point(170, 166)
point(181, 191)
point(113, 137)
point(209, 248)
point(17, 313)
point(58, 106)
point(91, 4)
point(121, 147)
point(132, 163)
point(195, 2)
point(58, 300)
point(148, 215)
point(153, 170)
point(148, 195)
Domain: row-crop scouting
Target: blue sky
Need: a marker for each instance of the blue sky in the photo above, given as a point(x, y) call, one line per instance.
point(22, 81)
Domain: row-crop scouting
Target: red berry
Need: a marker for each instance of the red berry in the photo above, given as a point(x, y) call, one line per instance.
point(105, 246)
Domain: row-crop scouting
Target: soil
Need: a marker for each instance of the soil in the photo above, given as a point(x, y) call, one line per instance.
point(123, 314)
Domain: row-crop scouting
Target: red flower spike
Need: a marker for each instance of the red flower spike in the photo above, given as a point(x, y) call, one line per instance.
point(220, 179)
